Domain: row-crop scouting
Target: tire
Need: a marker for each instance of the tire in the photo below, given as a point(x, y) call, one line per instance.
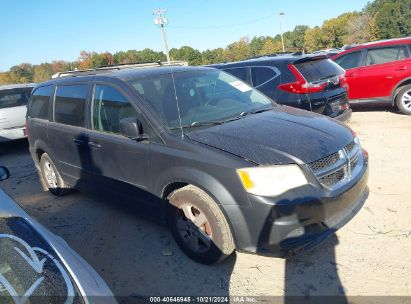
point(403, 99)
point(51, 177)
point(206, 238)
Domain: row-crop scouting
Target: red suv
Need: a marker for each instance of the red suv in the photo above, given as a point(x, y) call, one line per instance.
point(379, 73)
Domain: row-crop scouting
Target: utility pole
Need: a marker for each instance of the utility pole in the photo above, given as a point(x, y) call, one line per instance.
point(281, 30)
point(162, 21)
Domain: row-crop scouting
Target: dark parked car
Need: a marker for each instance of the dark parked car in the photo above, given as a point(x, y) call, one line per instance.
point(37, 266)
point(379, 73)
point(309, 82)
point(224, 165)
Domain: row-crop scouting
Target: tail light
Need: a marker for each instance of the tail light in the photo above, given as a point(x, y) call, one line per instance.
point(301, 86)
point(343, 81)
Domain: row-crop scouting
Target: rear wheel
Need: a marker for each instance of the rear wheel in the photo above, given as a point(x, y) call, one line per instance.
point(52, 177)
point(403, 99)
point(198, 226)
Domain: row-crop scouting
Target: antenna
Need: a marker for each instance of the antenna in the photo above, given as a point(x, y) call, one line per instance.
point(161, 20)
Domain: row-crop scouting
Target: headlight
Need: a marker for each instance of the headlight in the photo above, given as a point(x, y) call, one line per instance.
point(272, 180)
point(357, 140)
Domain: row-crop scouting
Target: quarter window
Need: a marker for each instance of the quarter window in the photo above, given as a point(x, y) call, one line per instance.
point(349, 61)
point(39, 105)
point(238, 72)
point(384, 55)
point(261, 74)
point(70, 104)
point(109, 108)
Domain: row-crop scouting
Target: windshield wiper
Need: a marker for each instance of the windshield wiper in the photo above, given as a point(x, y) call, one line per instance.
point(219, 122)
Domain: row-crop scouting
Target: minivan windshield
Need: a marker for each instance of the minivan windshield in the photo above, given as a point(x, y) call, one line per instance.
point(201, 97)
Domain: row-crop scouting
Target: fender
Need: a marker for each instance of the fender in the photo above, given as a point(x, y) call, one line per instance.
point(394, 93)
point(214, 188)
point(230, 207)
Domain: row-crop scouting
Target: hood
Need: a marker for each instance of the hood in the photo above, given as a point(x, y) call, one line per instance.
point(281, 136)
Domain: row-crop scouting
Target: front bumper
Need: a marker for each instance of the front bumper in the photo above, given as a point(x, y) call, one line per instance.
point(297, 220)
point(12, 134)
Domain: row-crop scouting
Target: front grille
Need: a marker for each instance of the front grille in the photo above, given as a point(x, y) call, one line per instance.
point(324, 162)
point(333, 178)
point(337, 167)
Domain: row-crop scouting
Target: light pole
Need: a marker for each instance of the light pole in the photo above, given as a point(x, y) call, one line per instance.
point(281, 30)
point(162, 21)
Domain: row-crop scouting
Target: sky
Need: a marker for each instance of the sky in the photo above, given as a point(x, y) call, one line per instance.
point(45, 30)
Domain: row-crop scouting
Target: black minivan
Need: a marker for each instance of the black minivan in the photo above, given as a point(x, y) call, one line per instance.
point(225, 166)
point(310, 82)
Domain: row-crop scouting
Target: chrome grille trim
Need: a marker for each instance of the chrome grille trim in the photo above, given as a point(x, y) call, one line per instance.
point(338, 168)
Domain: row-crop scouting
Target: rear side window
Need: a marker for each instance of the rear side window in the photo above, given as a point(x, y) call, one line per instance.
point(384, 55)
point(39, 105)
point(14, 98)
point(238, 72)
point(349, 61)
point(315, 70)
point(109, 108)
point(259, 75)
point(70, 104)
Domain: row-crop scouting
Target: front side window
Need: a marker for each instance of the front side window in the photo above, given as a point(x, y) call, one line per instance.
point(198, 96)
point(70, 104)
point(349, 61)
point(39, 105)
point(384, 55)
point(109, 108)
point(14, 97)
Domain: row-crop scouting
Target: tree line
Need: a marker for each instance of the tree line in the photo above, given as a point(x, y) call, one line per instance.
point(379, 19)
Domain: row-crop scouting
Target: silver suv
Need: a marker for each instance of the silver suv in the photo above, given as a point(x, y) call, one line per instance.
point(13, 108)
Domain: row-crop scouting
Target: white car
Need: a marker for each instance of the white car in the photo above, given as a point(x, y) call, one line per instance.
point(13, 109)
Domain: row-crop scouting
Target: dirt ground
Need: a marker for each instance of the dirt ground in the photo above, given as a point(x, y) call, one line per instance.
point(371, 255)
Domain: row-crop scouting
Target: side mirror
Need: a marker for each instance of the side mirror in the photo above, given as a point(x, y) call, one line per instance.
point(132, 128)
point(4, 173)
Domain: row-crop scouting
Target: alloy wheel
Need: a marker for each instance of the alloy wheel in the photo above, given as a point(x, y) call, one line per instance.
point(50, 175)
point(406, 100)
point(194, 228)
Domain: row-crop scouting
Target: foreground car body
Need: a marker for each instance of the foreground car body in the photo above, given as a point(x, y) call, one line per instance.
point(379, 73)
point(223, 164)
point(309, 82)
point(36, 265)
point(13, 108)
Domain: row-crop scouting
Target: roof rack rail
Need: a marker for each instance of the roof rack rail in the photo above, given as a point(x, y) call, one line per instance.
point(122, 66)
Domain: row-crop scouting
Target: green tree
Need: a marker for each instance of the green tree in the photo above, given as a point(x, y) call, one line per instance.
point(392, 18)
point(213, 56)
point(360, 29)
point(239, 50)
point(186, 53)
point(42, 72)
point(22, 73)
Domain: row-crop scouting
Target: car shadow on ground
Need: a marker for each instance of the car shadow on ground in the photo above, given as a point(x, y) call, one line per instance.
point(375, 108)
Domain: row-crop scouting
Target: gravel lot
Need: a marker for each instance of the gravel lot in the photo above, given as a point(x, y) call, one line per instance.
point(369, 256)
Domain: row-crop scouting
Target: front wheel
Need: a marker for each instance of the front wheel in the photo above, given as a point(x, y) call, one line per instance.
point(198, 226)
point(403, 100)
